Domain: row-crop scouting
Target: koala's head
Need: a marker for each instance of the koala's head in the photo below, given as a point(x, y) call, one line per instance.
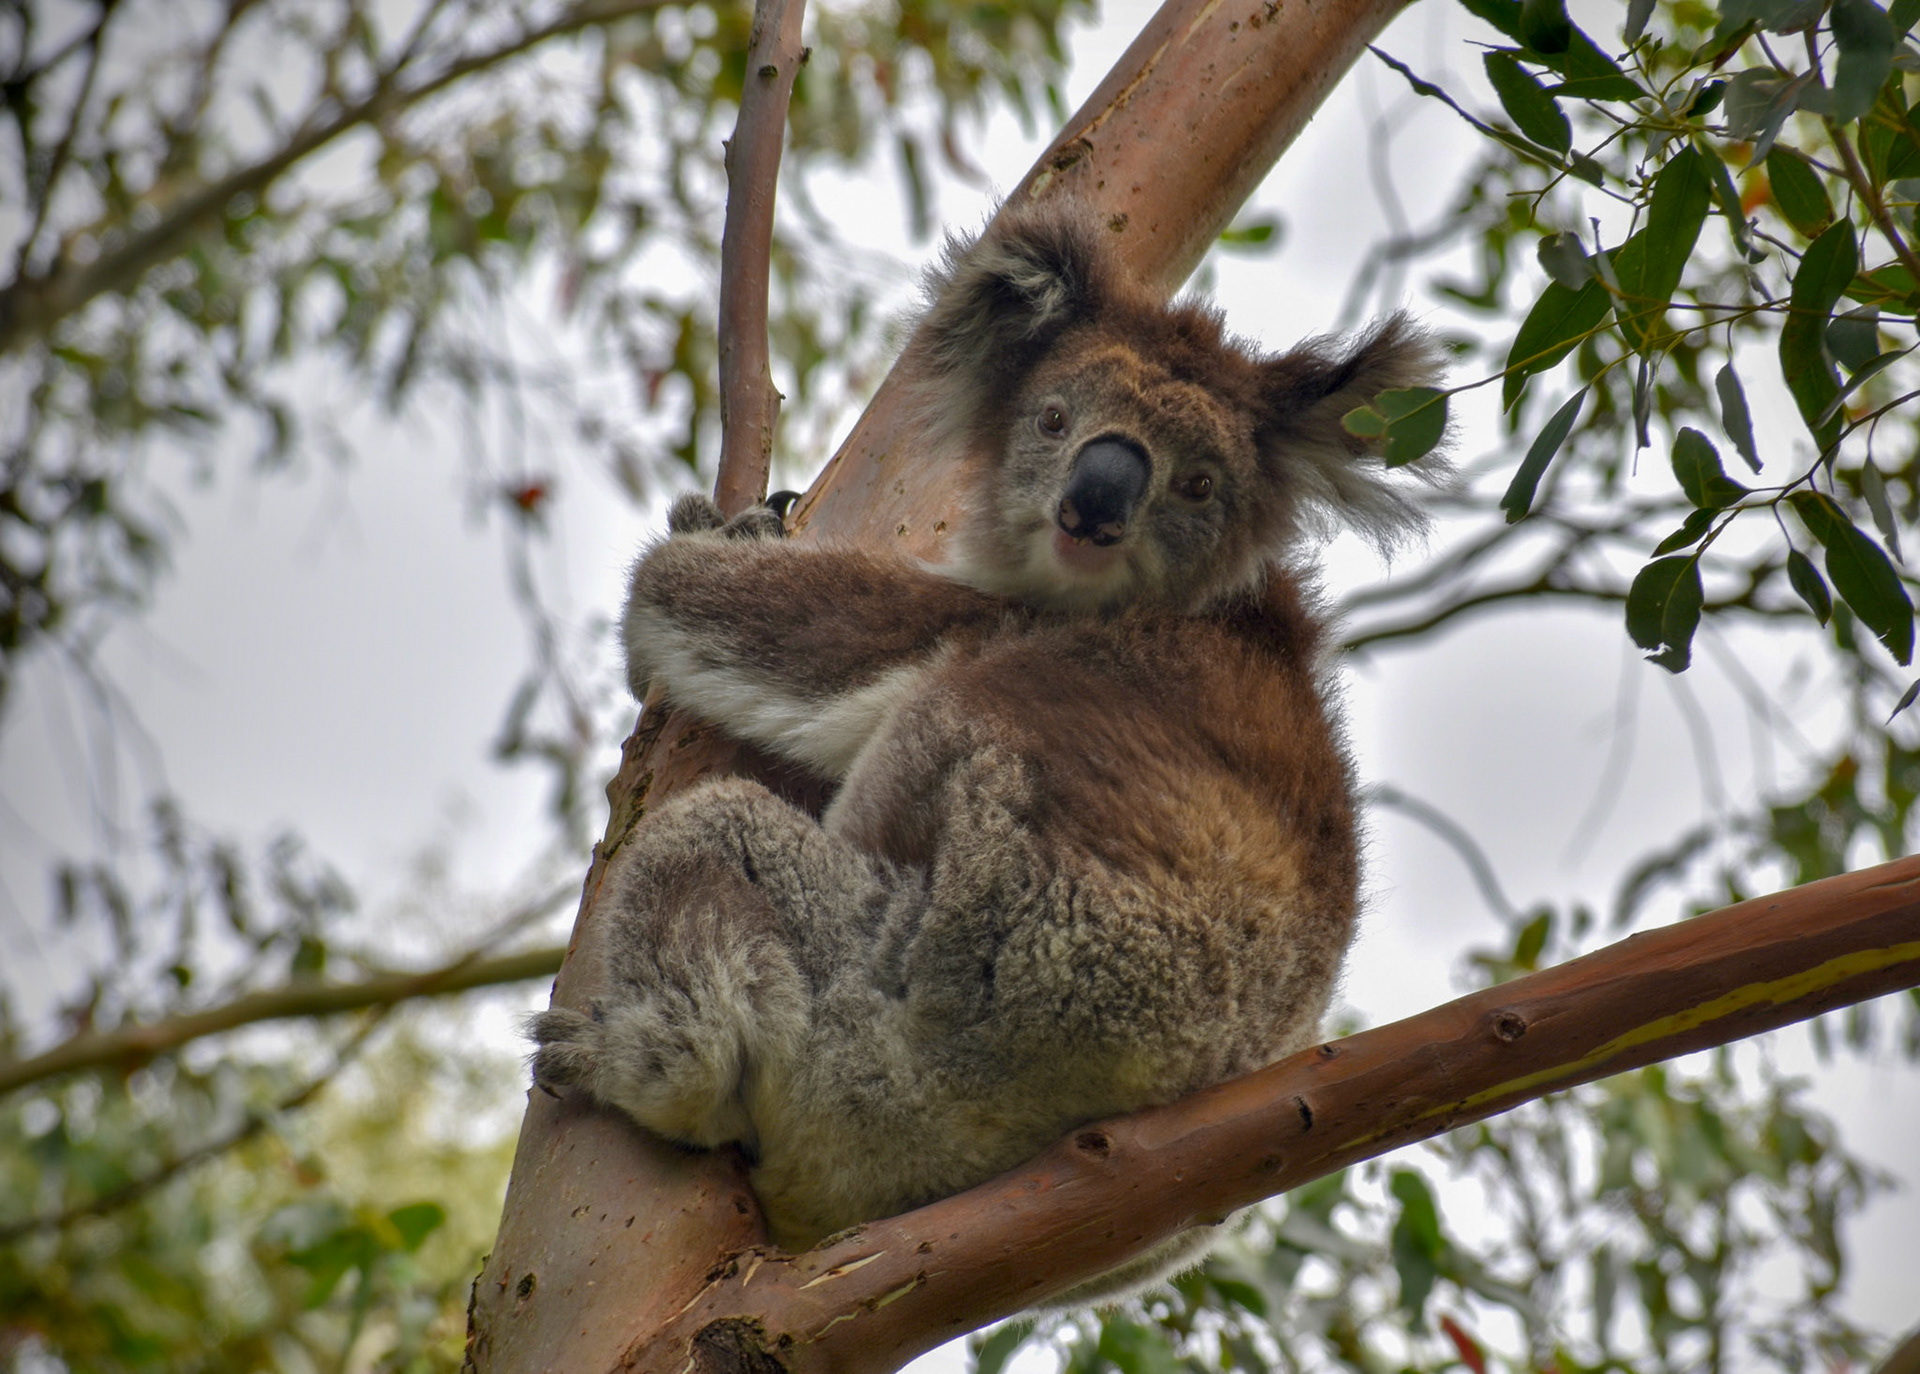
point(1136, 451)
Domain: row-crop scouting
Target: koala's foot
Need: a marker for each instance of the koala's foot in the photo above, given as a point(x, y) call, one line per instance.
point(652, 1061)
point(695, 513)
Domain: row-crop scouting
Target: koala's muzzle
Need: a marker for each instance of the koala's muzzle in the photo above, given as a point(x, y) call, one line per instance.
point(1107, 481)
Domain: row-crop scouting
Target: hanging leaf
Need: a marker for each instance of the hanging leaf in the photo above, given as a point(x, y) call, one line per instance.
point(1558, 323)
point(1663, 610)
point(1873, 487)
point(1806, 580)
point(1411, 419)
point(1651, 263)
point(1861, 572)
point(1825, 271)
point(1689, 533)
point(1590, 74)
point(1638, 13)
point(1545, 26)
point(1526, 480)
point(1533, 112)
point(1864, 35)
point(1798, 192)
point(1906, 700)
point(1565, 259)
point(1697, 466)
point(1853, 338)
point(1734, 417)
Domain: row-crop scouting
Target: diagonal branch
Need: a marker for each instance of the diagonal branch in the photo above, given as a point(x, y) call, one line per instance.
point(749, 404)
point(139, 1043)
point(875, 1297)
point(31, 306)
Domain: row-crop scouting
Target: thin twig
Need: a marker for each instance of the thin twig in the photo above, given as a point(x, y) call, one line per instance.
point(30, 306)
point(749, 402)
point(138, 1043)
point(250, 1126)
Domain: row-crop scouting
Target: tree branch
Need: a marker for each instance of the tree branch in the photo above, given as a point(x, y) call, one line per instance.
point(749, 404)
point(876, 1297)
point(139, 1043)
point(31, 306)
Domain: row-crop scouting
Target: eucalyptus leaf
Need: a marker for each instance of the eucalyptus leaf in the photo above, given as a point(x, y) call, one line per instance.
point(1825, 271)
point(1696, 464)
point(1651, 264)
point(1545, 26)
point(1864, 36)
point(1873, 490)
point(1734, 417)
point(1526, 479)
point(1690, 532)
point(1861, 573)
point(1533, 112)
point(1565, 259)
point(1811, 587)
point(1559, 321)
point(1798, 192)
point(1663, 610)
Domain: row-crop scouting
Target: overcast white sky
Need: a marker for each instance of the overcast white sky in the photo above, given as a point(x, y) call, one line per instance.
point(356, 632)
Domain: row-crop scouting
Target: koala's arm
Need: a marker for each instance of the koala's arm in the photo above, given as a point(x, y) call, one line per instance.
point(801, 650)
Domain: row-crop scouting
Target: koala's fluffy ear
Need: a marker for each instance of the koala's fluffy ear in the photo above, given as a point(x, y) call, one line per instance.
point(1338, 477)
point(997, 303)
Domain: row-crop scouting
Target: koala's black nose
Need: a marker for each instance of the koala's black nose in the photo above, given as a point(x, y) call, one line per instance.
point(1107, 481)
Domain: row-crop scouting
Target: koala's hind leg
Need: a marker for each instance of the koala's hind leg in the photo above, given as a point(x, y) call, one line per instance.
point(724, 913)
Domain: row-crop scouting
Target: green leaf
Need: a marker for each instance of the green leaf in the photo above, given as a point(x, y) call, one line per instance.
point(1558, 323)
point(1590, 74)
point(1826, 269)
point(1861, 572)
point(1638, 13)
point(991, 1353)
point(1650, 273)
point(1903, 14)
point(1806, 580)
point(1690, 531)
point(416, 1221)
point(1533, 112)
point(1663, 610)
point(1853, 339)
point(1865, 38)
point(1504, 15)
point(1906, 700)
point(1565, 259)
point(1415, 420)
point(1758, 103)
point(1734, 417)
point(1262, 233)
point(1545, 26)
point(1417, 1242)
point(1873, 487)
point(1526, 480)
point(1798, 192)
point(1696, 463)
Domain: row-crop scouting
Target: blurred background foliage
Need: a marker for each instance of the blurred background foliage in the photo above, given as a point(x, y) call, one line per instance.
point(203, 202)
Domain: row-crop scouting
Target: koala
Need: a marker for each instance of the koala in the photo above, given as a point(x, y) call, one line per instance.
point(1091, 839)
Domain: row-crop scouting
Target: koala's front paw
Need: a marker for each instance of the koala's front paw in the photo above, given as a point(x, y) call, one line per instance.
point(697, 514)
point(694, 513)
point(756, 522)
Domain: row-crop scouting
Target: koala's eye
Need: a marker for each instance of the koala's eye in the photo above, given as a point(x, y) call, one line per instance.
point(1053, 420)
point(1197, 487)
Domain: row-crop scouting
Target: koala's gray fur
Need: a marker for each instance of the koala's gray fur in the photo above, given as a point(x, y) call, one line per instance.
point(1092, 843)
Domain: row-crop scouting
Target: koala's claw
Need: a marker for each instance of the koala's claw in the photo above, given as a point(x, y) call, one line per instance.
point(757, 522)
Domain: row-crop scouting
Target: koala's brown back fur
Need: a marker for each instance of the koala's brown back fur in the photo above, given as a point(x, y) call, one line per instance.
point(1092, 843)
